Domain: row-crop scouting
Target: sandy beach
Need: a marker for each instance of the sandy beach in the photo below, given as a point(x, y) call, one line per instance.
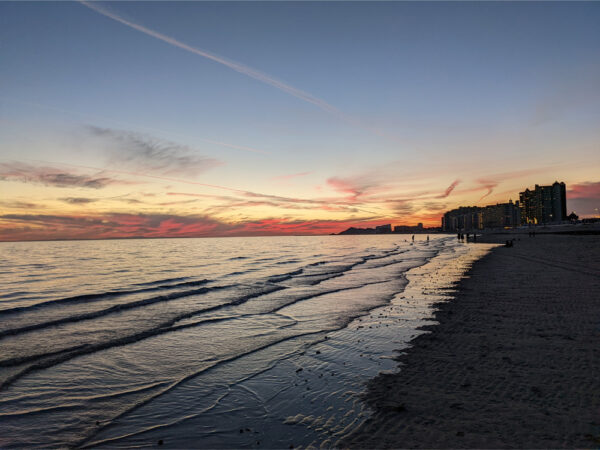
point(513, 362)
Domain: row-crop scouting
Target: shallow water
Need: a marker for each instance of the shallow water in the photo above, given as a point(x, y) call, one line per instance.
point(236, 342)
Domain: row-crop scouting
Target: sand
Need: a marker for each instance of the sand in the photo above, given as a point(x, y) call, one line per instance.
point(513, 363)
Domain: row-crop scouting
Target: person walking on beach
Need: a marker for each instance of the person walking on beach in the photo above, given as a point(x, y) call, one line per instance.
point(427, 238)
point(413, 238)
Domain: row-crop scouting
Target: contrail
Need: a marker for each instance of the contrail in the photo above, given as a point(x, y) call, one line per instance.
point(238, 67)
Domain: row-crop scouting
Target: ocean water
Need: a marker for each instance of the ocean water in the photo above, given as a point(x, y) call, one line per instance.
point(219, 343)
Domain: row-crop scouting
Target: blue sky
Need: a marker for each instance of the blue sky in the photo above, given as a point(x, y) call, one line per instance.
point(422, 94)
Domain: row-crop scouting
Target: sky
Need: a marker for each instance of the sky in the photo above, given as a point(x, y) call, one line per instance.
point(185, 119)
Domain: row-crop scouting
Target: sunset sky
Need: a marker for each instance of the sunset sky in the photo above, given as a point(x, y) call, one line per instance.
point(124, 119)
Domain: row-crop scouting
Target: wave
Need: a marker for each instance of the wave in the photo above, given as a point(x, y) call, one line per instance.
point(49, 359)
point(14, 294)
point(101, 296)
point(81, 400)
point(284, 276)
point(86, 442)
point(110, 310)
point(164, 280)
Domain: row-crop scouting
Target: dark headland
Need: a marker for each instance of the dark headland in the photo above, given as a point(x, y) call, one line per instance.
point(513, 363)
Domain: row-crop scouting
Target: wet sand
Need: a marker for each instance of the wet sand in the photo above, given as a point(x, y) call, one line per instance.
point(513, 363)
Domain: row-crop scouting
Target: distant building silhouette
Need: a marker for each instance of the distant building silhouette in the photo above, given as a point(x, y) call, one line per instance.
point(544, 204)
point(383, 229)
point(387, 229)
point(354, 230)
point(409, 228)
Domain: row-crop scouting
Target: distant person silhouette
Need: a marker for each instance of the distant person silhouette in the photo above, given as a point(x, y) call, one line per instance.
point(427, 238)
point(413, 238)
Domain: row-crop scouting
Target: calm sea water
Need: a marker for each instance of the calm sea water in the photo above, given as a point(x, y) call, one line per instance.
point(235, 342)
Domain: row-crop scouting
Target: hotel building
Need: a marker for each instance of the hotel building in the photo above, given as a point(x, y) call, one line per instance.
point(544, 204)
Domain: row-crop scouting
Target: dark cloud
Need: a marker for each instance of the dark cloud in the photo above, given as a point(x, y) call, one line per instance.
point(151, 155)
point(51, 219)
point(131, 201)
point(51, 176)
point(402, 207)
point(78, 200)
point(17, 205)
point(178, 202)
point(434, 206)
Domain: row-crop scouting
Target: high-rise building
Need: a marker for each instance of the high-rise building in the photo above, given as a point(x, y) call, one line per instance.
point(462, 218)
point(501, 215)
point(544, 204)
point(472, 218)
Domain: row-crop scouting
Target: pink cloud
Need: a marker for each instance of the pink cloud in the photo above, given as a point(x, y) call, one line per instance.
point(449, 189)
point(584, 198)
point(586, 190)
point(346, 186)
point(16, 227)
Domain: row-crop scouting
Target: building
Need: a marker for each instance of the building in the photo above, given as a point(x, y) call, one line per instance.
point(501, 215)
point(411, 229)
point(471, 218)
point(383, 229)
point(544, 204)
point(462, 218)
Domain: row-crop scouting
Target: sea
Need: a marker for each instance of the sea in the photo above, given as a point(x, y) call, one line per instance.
point(260, 342)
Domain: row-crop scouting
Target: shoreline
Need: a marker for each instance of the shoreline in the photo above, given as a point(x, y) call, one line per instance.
point(512, 361)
